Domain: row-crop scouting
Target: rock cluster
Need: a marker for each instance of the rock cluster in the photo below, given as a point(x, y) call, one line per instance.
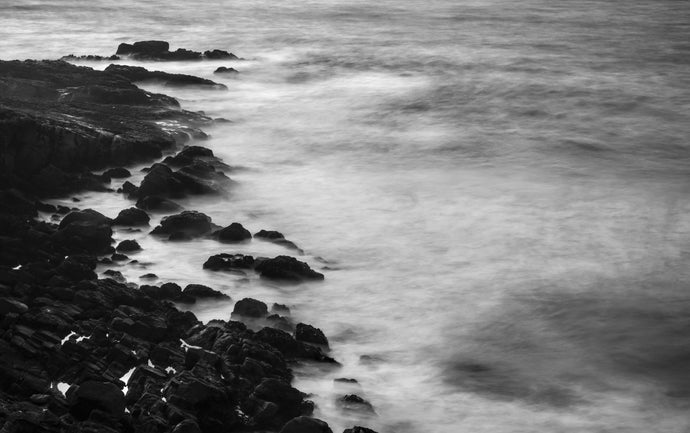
point(83, 354)
point(160, 50)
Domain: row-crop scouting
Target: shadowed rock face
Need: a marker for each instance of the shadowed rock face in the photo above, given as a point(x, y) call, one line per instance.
point(137, 73)
point(58, 120)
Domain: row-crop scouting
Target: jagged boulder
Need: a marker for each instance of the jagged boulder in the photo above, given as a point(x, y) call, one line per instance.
point(286, 268)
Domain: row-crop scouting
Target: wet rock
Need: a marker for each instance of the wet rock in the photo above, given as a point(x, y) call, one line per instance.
point(138, 73)
point(115, 275)
point(117, 257)
point(92, 395)
point(310, 334)
point(132, 217)
point(191, 223)
point(159, 181)
point(358, 429)
point(201, 291)
point(188, 155)
point(87, 216)
point(285, 397)
point(233, 233)
point(143, 48)
point(9, 306)
point(117, 173)
point(249, 307)
point(345, 380)
point(149, 277)
point(187, 426)
point(276, 238)
point(128, 245)
point(304, 424)
point(353, 402)
point(158, 204)
point(224, 261)
point(225, 70)
point(77, 268)
point(287, 268)
point(129, 189)
point(219, 55)
point(280, 308)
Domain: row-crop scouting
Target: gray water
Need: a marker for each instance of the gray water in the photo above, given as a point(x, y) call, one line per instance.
point(498, 191)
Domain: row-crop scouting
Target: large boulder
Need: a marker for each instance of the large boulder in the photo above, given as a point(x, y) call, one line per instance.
point(276, 238)
point(287, 399)
point(189, 223)
point(132, 217)
point(286, 268)
point(85, 231)
point(249, 307)
point(159, 181)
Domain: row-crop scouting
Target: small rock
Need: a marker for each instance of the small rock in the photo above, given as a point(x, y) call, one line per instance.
point(191, 223)
point(117, 173)
point(233, 233)
point(225, 70)
point(287, 268)
point(353, 402)
point(358, 429)
point(149, 277)
point(225, 261)
point(128, 245)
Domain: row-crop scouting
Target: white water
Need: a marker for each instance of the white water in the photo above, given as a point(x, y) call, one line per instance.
point(500, 191)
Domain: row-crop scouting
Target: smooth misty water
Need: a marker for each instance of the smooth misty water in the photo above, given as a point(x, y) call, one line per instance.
point(499, 189)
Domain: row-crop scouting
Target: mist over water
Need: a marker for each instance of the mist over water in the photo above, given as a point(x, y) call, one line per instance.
point(497, 190)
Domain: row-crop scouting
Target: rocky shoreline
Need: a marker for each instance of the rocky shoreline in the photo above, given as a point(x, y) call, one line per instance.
point(82, 354)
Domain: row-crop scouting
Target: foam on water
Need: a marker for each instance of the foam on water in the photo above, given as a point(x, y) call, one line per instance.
point(497, 192)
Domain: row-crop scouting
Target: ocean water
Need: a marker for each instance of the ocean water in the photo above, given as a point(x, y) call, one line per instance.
point(497, 191)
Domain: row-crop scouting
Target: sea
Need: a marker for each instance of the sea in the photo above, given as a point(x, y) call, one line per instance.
point(498, 193)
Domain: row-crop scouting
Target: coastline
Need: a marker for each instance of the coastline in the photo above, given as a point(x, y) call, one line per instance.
point(88, 354)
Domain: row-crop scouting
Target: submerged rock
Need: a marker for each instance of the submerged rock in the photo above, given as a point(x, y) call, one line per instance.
point(226, 70)
point(353, 402)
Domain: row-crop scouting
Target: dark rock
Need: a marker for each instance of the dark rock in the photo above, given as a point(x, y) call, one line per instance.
point(88, 216)
point(137, 73)
point(249, 307)
point(143, 48)
point(358, 429)
point(219, 55)
point(280, 308)
point(201, 291)
point(92, 395)
point(8, 306)
point(77, 268)
point(225, 70)
point(345, 380)
point(159, 181)
point(310, 334)
point(187, 426)
point(191, 223)
point(149, 277)
point(188, 155)
point(46, 207)
point(128, 245)
point(158, 204)
point(353, 402)
point(132, 217)
point(286, 268)
point(287, 398)
point(225, 261)
point(304, 424)
point(276, 238)
point(115, 275)
point(117, 257)
point(117, 173)
point(233, 233)
point(130, 189)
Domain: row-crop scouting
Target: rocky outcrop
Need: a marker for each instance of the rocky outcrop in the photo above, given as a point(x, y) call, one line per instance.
point(287, 268)
point(160, 50)
point(140, 74)
point(59, 121)
point(188, 223)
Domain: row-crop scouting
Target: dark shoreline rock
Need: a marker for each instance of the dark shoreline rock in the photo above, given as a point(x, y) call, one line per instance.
point(140, 74)
point(62, 327)
point(160, 50)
